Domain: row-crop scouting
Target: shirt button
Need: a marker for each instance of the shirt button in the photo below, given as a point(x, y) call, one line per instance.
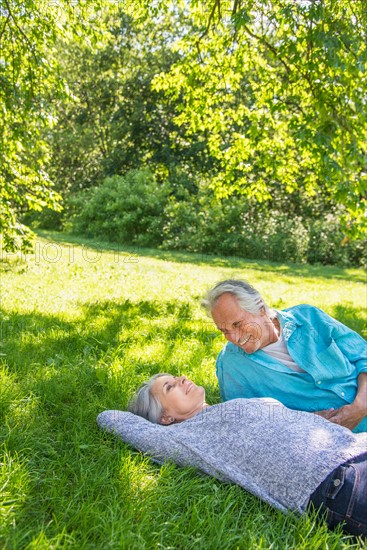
point(319, 382)
point(336, 482)
point(343, 393)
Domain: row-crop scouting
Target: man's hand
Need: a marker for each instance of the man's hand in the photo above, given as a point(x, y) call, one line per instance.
point(348, 416)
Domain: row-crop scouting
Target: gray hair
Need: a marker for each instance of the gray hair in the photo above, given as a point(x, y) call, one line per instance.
point(249, 299)
point(144, 404)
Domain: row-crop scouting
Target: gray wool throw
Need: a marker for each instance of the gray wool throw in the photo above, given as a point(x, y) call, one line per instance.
point(278, 454)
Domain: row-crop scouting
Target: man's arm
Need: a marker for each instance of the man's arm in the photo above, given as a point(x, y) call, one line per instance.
point(350, 415)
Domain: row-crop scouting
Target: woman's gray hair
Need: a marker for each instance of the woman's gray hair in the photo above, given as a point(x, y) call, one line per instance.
point(143, 402)
point(249, 299)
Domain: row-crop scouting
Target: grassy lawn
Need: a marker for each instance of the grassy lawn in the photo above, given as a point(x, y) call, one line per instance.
point(83, 323)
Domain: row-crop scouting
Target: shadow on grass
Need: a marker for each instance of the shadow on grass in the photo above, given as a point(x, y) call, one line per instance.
point(41, 346)
point(33, 334)
point(109, 325)
point(75, 476)
point(348, 315)
point(232, 262)
point(114, 347)
point(56, 376)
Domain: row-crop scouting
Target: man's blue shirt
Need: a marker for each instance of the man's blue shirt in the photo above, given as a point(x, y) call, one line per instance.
point(331, 354)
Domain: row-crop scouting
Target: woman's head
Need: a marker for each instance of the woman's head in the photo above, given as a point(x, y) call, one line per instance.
point(165, 399)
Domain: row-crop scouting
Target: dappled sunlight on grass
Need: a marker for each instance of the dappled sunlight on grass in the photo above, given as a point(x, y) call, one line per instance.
point(79, 336)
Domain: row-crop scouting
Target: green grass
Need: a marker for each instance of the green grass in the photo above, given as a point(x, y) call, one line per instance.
point(83, 323)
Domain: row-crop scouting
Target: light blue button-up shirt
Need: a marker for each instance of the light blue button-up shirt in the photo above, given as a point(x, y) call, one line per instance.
point(331, 354)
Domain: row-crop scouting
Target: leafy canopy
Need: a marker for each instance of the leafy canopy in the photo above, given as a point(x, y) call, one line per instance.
point(279, 86)
point(30, 83)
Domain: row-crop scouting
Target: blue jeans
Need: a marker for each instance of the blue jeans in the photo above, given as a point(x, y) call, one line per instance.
point(342, 496)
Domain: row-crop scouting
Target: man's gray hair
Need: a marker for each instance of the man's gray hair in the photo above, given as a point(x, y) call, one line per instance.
point(144, 404)
point(249, 299)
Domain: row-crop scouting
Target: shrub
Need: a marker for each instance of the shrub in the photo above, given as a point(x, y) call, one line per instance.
point(180, 231)
point(136, 209)
point(234, 227)
point(46, 219)
point(126, 209)
point(328, 244)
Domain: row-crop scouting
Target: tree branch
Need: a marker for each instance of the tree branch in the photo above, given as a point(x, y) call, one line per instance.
point(236, 5)
point(216, 7)
point(10, 14)
point(4, 27)
point(267, 45)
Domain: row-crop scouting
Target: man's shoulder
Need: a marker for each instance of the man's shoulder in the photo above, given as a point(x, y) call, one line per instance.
point(302, 312)
point(301, 308)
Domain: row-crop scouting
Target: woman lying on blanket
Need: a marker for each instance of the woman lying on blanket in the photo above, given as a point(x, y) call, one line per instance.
point(291, 459)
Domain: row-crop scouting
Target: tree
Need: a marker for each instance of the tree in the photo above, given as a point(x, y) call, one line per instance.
point(280, 87)
point(30, 83)
point(115, 121)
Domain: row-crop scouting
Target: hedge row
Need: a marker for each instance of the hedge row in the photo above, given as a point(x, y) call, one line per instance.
point(137, 210)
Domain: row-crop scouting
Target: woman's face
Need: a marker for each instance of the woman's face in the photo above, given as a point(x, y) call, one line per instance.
point(180, 398)
point(248, 331)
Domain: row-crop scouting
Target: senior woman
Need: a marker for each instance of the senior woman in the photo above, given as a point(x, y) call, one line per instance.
point(291, 459)
point(300, 355)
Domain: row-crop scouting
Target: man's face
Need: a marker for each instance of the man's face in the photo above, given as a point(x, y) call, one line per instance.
point(248, 331)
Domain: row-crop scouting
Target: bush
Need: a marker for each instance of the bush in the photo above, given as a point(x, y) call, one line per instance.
point(136, 209)
point(328, 244)
point(126, 209)
point(180, 231)
point(274, 236)
point(46, 219)
point(234, 227)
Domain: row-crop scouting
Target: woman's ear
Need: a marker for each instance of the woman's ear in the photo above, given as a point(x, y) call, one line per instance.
point(166, 420)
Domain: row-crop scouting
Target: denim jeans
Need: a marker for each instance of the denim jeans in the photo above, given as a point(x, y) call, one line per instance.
point(342, 497)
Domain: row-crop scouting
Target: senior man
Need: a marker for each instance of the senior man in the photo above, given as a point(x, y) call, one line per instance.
point(300, 355)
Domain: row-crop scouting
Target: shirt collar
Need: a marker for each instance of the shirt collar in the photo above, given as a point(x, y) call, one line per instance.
point(288, 323)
